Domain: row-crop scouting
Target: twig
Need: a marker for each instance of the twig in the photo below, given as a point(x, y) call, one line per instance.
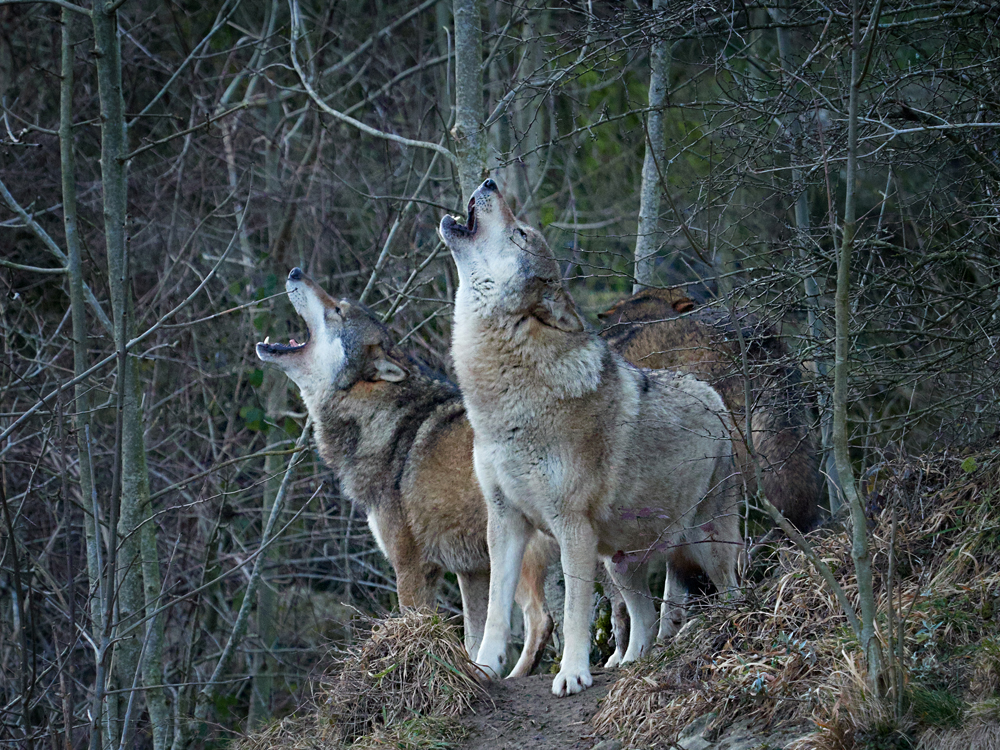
point(208, 693)
point(53, 248)
point(110, 358)
point(297, 32)
point(384, 255)
point(60, 3)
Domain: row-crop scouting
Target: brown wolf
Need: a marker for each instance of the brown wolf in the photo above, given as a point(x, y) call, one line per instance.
point(627, 464)
point(664, 328)
point(399, 441)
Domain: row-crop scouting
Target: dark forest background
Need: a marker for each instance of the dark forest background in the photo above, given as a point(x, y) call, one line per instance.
point(140, 588)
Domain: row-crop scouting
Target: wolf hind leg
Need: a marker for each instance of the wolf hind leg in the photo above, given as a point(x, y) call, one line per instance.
point(475, 588)
point(673, 611)
point(717, 547)
point(620, 627)
point(530, 597)
point(634, 587)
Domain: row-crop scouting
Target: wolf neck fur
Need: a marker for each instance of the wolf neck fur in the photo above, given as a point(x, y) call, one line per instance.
point(493, 357)
point(364, 432)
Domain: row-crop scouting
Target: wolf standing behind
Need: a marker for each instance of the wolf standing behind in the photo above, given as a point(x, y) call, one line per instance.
point(614, 461)
point(401, 446)
point(663, 328)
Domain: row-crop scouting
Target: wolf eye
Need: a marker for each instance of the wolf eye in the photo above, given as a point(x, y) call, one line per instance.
point(337, 310)
point(524, 235)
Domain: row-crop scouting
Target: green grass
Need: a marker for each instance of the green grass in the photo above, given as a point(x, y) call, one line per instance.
point(419, 733)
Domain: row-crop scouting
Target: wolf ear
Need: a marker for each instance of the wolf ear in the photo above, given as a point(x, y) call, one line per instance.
point(683, 305)
point(388, 369)
point(609, 312)
point(556, 309)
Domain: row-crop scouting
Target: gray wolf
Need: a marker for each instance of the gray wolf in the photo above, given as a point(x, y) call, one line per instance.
point(398, 439)
point(664, 328)
point(616, 462)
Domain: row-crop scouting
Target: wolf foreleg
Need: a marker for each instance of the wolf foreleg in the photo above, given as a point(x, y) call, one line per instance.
point(507, 533)
point(578, 545)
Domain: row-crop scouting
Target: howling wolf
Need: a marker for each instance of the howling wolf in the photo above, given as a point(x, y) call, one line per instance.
point(399, 441)
point(617, 462)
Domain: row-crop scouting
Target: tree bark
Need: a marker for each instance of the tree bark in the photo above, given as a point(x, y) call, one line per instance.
point(275, 386)
point(470, 140)
point(650, 191)
point(137, 573)
point(78, 314)
point(860, 551)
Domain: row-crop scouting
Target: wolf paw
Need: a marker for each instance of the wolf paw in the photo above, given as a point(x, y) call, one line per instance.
point(669, 628)
point(614, 661)
point(490, 660)
point(571, 681)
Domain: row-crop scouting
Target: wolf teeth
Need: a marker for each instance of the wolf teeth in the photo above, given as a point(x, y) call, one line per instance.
point(267, 339)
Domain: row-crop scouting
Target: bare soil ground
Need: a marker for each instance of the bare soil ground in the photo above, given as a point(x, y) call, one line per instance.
point(526, 716)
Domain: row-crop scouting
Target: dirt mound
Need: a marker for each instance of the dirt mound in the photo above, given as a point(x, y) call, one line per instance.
point(402, 686)
point(785, 655)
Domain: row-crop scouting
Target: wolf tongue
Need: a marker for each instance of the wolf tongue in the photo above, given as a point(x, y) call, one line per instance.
point(291, 342)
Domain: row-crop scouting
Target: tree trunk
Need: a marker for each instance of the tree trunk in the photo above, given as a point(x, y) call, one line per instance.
point(78, 313)
point(860, 551)
point(529, 117)
point(138, 574)
point(276, 390)
point(470, 140)
point(651, 191)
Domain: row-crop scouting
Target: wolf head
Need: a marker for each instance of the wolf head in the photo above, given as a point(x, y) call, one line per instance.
point(344, 344)
point(505, 267)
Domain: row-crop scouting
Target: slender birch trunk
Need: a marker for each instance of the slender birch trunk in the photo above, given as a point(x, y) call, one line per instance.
point(137, 572)
point(470, 140)
point(78, 313)
point(529, 118)
point(276, 388)
point(860, 551)
point(650, 192)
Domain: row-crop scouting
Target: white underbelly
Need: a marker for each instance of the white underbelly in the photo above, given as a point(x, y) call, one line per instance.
point(373, 525)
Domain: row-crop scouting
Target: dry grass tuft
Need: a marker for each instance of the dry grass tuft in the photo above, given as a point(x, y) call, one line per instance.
point(980, 731)
point(785, 655)
point(401, 687)
point(857, 719)
point(411, 665)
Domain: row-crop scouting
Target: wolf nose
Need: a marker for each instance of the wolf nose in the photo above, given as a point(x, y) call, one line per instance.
point(490, 184)
point(295, 274)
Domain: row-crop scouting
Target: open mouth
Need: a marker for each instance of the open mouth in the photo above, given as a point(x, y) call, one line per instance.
point(279, 348)
point(457, 227)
